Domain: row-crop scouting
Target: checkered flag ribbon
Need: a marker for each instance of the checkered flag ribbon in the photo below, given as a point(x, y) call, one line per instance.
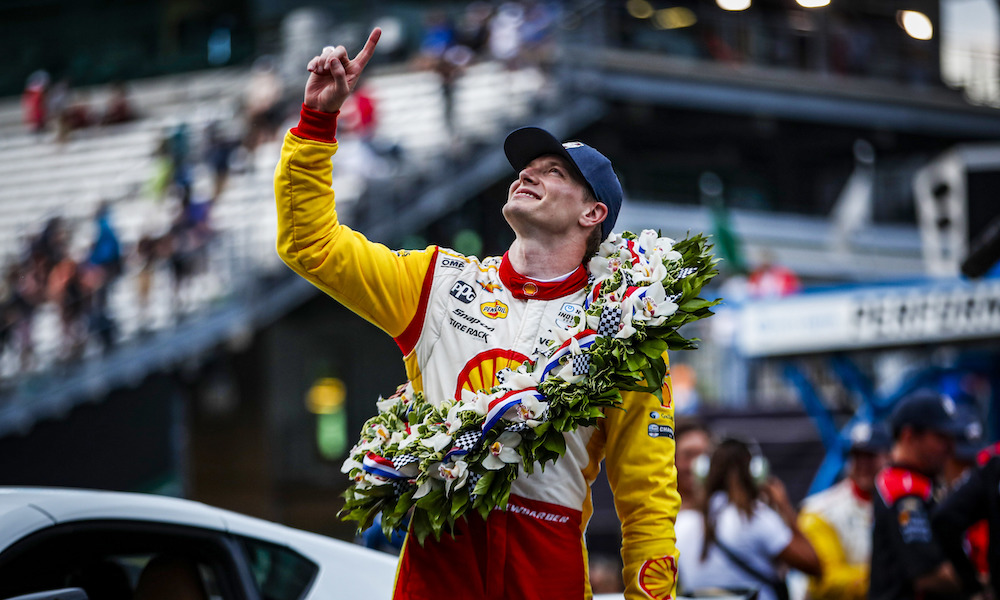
point(611, 318)
point(627, 277)
point(685, 272)
point(517, 427)
point(467, 441)
point(581, 364)
point(674, 297)
point(401, 486)
point(470, 484)
point(403, 459)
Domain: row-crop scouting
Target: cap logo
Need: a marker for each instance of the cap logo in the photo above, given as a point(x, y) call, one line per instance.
point(568, 145)
point(861, 433)
point(949, 406)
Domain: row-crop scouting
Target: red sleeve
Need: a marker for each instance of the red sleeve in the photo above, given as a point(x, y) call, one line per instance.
point(316, 125)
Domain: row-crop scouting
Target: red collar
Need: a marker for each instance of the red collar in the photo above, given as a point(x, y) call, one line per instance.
point(526, 288)
point(860, 493)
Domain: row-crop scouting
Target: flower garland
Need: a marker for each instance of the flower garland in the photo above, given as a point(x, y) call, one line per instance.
point(446, 458)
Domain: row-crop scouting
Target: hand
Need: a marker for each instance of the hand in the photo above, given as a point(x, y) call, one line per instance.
point(333, 76)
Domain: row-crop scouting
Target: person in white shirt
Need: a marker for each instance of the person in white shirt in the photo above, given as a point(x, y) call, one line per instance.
point(747, 530)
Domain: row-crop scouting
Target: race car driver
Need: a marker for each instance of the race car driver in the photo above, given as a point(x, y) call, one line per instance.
point(460, 321)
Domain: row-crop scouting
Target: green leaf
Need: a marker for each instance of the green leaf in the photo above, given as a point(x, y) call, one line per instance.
point(555, 442)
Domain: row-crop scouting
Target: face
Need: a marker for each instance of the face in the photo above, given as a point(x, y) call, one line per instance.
point(934, 449)
point(689, 447)
point(863, 467)
point(546, 198)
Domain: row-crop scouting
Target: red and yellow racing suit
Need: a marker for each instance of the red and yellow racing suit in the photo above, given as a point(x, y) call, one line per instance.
point(838, 524)
point(459, 321)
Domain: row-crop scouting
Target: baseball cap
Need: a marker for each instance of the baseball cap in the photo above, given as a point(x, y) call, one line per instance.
point(927, 409)
point(528, 143)
point(970, 440)
point(869, 437)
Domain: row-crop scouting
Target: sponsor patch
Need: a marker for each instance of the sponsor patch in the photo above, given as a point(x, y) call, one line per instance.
point(493, 310)
point(471, 319)
point(452, 263)
point(490, 287)
point(463, 292)
point(469, 329)
point(568, 145)
point(654, 415)
point(568, 315)
point(914, 526)
point(401, 252)
point(656, 430)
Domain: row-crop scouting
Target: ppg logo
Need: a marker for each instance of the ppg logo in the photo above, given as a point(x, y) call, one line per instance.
point(463, 292)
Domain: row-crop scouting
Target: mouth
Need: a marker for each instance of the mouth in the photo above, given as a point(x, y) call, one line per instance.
point(526, 193)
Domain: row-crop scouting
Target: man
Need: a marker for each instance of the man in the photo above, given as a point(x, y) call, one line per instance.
point(838, 520)
point(906, 560)
point(460, 321)
point(975, 500)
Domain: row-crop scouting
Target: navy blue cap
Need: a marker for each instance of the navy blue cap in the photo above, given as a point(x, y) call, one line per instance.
point(528, 143)
point(970, 441)
point(868, 437)
point(926, 409)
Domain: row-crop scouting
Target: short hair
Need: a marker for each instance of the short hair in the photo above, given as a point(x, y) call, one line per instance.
point(687, 424)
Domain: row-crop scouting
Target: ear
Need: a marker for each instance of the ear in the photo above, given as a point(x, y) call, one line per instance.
point(595, 213)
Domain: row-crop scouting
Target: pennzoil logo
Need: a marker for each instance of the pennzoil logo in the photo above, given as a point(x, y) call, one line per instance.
point(493, 310)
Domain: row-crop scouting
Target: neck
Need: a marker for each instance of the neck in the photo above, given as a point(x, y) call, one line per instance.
point(543, 259)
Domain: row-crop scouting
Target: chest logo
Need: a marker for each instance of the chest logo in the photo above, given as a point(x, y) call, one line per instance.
point(530, 289)
point(489, 286)
point(463, 292)
point(494, 310)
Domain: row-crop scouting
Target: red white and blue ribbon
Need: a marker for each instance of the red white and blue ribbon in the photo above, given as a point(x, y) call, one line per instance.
point(585, 339)
point(499, 407)
point(381, 466)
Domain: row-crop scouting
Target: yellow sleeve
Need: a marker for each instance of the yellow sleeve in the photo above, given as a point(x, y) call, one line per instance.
point(375, 282)
point(841, 580)
point(643, 478)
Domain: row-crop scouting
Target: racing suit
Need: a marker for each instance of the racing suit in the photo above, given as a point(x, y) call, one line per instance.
point(976, 499)
point(458, 322)
point(903, 546)
point(838, 524)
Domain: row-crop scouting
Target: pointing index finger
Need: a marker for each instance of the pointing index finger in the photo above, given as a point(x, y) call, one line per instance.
point(366, 53)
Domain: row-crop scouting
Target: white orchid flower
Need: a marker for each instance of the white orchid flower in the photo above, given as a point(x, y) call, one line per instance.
point(454, 475)
point(350, 464)
point(653, 307)
point(384, 404)
point(453, 421)
point(530, 411)
point(520, 381)
point(647, 240)
point(502, 451)
point(410, 439)
point(477, 402)
point(437, 442)
point(429, 484)
point(664, 244)
point(380, 435)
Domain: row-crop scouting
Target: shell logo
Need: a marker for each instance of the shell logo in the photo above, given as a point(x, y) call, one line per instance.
point(493, 310)
point(666, 393)
point(658, 577)
point(480, 373)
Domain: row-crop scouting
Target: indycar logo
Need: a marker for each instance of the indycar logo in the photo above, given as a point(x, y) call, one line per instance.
point(493, 310)
point(463, 292)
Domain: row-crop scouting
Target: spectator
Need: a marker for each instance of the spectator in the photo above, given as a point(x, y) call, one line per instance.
point(189, 237)
point(218, 155)
point(605, 574)
point(104, 265)
point(119, 109)
point(771, 280)
point(693, 444)
point(34, 101)
point(505, 33)
point(906, 560)
point(973, 509)
point(967, 445)
point(747, 525)
point(75, 115)
point(838, 520)
point(262, 105)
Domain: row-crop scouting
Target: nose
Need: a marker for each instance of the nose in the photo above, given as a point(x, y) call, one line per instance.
point(528, 174)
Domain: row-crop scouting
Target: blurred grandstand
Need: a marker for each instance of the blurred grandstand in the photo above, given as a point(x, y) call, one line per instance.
point(844, 176)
